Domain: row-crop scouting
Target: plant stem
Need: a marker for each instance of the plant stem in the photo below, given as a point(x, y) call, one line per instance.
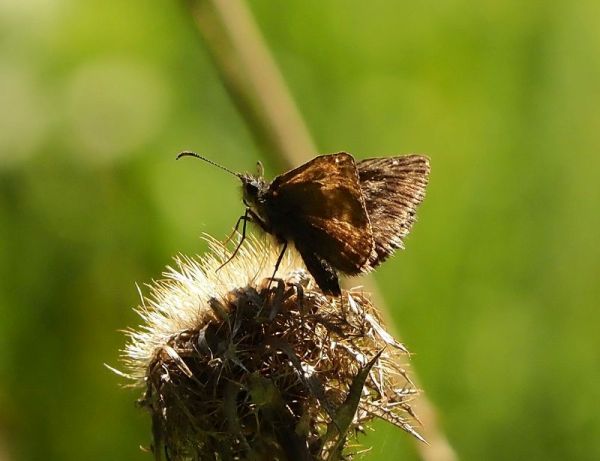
point(253, 80)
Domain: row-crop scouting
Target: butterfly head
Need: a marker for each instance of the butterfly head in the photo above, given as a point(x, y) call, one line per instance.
point(253, 188)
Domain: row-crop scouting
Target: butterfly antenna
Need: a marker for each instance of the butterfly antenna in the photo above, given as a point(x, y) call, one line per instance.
point(194, 154)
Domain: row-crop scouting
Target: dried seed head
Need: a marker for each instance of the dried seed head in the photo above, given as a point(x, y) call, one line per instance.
point(236, 367)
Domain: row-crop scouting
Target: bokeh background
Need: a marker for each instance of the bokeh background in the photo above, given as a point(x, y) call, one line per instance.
point(498, 291)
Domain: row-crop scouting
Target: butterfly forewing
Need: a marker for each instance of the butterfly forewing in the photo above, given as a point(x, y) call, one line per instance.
point(320, 206)
point(392, 187)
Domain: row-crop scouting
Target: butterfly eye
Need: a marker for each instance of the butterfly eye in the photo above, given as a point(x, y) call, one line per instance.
point(251, 190)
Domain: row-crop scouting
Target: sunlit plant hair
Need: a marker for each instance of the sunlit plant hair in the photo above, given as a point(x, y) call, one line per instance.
point(234, 366)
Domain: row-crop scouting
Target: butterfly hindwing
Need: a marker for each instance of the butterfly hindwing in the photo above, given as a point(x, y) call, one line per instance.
point(392, 187)
point(321, 270)
point(320, 206)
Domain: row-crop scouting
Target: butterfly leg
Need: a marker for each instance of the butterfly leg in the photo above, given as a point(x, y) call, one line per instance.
point(279, 259)
point(251, 216)
point(245, 218)
point(277, 264)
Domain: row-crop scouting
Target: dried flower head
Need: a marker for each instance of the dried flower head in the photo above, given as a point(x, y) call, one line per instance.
point(237, 366)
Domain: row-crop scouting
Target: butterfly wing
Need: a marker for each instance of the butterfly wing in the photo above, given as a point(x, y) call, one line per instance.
point(320, 206)
point(392, 187)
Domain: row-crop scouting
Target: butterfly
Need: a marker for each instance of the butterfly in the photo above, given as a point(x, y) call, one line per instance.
point(341, 215)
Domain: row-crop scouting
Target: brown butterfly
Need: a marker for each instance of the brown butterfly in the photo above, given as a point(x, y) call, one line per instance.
point(340, 214)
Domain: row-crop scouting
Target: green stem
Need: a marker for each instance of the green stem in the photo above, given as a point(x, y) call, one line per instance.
point(253, 80)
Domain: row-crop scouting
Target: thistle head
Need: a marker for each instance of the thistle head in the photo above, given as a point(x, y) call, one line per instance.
point(233, 365)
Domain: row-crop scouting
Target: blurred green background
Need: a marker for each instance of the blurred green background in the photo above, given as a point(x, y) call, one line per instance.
point(497, 293)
